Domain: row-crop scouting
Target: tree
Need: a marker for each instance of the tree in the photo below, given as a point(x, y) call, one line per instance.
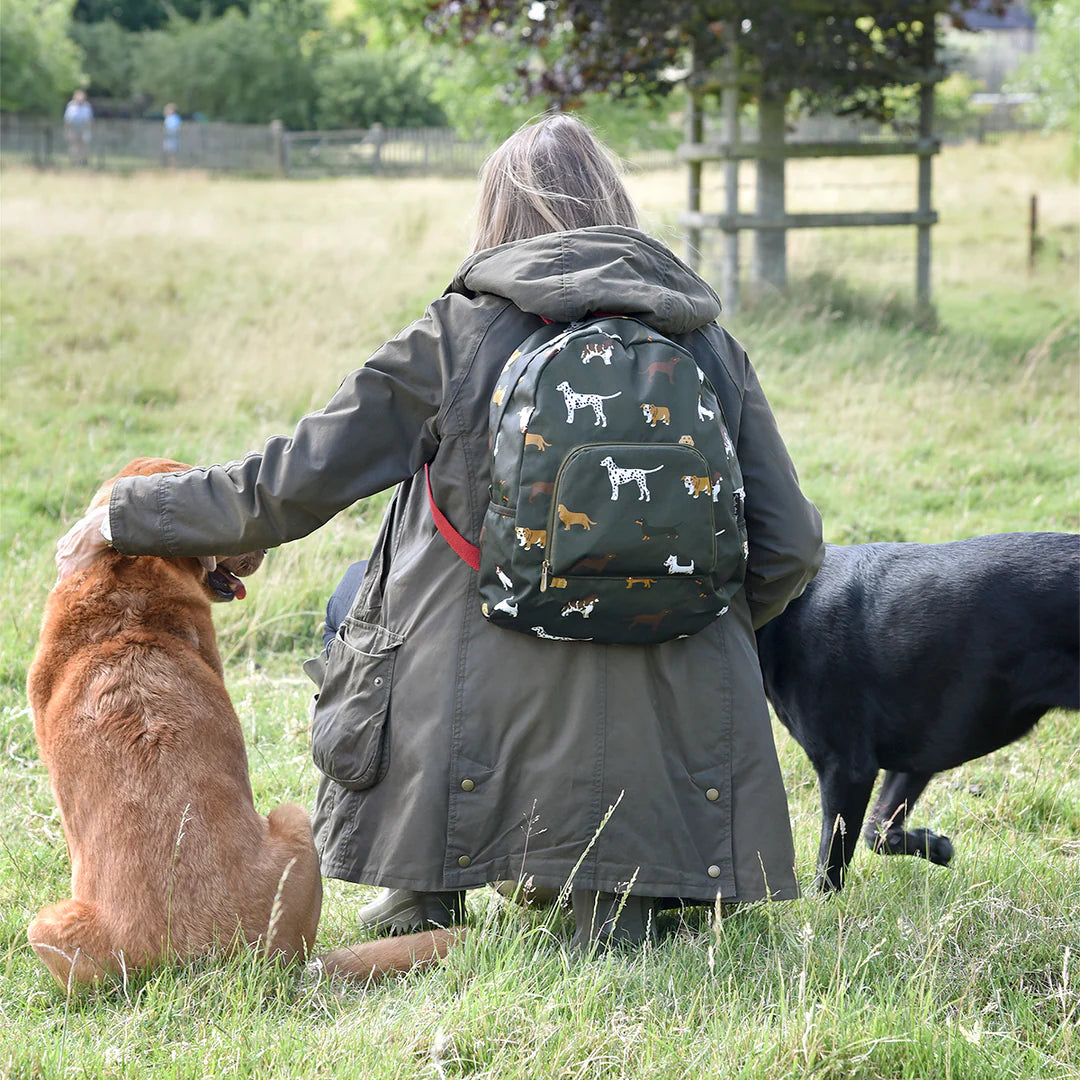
point(42, 65)
point(245, 68)
point(359, 86)
point(109, 53)
point(1052, 72)
point(150, 14)
point(842, 56)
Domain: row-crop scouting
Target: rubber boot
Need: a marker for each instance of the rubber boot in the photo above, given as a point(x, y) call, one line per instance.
point(610, 919)
point(402, 911)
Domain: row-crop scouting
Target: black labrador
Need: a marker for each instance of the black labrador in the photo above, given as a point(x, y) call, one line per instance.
point(915, 658)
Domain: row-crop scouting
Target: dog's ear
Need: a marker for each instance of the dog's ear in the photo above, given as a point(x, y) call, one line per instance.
point(143, 466)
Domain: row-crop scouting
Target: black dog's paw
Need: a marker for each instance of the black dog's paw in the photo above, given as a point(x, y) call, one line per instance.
point(938, 849)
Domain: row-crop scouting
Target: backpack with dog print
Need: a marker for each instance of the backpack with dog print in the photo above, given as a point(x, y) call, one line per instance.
point(616, 512)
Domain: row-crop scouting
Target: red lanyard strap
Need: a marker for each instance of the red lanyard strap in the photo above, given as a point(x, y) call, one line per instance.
point(465, 551)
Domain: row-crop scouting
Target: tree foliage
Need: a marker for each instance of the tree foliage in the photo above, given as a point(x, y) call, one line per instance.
point(359, 86)
point(42, 65)
point(244, 68)
point(1052, 72)
point(150, 14)
point(841, 55)
point(109, 53)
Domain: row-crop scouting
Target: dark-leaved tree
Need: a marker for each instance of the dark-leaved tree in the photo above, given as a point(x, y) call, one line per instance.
point(150, 14)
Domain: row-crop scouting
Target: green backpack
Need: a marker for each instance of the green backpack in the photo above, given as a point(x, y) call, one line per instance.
point(616, 512)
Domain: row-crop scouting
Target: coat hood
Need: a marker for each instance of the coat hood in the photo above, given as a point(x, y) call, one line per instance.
point(565, 276)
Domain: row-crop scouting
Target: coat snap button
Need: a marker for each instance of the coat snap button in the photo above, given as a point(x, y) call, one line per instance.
point(712, 794)
point(467, 785)
point(465, 860)
point(378, 680)
point(714, 870)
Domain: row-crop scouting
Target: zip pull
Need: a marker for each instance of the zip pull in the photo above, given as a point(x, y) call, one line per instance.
point(545, 569)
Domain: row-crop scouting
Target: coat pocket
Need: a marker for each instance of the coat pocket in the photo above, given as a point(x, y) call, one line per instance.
point(349, 720)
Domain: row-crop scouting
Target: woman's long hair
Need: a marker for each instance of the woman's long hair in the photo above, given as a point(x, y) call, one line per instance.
point(549, 176)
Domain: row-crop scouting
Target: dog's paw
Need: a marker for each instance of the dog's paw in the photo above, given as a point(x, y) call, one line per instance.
point(937, 849)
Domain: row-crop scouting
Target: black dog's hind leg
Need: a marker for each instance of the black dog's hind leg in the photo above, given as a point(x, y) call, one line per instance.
point(886, 830)
point(843, 805)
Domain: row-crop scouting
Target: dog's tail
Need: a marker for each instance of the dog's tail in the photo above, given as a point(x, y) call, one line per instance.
point(372, 961)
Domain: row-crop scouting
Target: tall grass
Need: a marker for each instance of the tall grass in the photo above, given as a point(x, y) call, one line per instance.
point(193, 317)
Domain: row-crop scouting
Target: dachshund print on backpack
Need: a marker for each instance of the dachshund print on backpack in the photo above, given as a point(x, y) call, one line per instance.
point(649, 531)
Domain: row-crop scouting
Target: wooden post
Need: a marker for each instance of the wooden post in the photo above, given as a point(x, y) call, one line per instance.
point(281, 154)
point(729, 267)
point(1034, 242)
point(926, 162)
point(770, 245)
point(694, 130)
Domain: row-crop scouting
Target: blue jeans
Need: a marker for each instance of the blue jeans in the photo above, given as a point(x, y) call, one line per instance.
point(341, 600)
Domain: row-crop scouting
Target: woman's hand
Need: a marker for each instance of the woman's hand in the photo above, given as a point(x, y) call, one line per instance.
point(81, 544)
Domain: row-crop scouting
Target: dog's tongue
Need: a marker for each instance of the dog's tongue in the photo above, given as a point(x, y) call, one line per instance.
point(228, 586)
point(235, 584)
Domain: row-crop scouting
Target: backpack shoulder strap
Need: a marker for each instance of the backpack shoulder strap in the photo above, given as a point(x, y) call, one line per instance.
point(465, 551)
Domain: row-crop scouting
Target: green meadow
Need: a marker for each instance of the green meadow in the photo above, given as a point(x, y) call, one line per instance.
point(192, 316)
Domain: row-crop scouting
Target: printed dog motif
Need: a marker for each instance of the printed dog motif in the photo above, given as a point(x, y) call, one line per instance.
point(603, 349)
point(575, 401)
point(619, 476)
point(510, 608)
point(729, 446)
point(569, 517)
point(652, 621)
point(497, 397)
point(739, 501)
point(541, 487)
point(656, 414)
point(506, 582)
point(537, 440)
point(697, 485)
point(528, 537)
point(597, 565)
point(686, 440)
point(557, 583)
point(663, 367)
point(540, 632)
point(649, 531)
point(704, 414)
point(648, 582)
point(583, 607)
point(524, 416)
point(675, 567)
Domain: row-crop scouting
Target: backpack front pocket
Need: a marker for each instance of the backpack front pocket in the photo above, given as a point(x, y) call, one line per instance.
point(349, 735)
point(633, 510)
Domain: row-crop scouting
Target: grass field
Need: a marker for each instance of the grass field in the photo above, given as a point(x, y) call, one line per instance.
point(192, 317)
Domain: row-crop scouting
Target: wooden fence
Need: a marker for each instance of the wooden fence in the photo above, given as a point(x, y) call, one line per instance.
point(246, 148)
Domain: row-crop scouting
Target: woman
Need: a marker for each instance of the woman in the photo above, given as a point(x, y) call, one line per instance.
point(472, 753)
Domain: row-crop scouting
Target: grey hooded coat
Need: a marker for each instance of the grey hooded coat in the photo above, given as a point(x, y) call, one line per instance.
point(454, 752)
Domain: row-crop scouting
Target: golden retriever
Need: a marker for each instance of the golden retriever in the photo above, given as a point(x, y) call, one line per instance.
point(169, 858)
